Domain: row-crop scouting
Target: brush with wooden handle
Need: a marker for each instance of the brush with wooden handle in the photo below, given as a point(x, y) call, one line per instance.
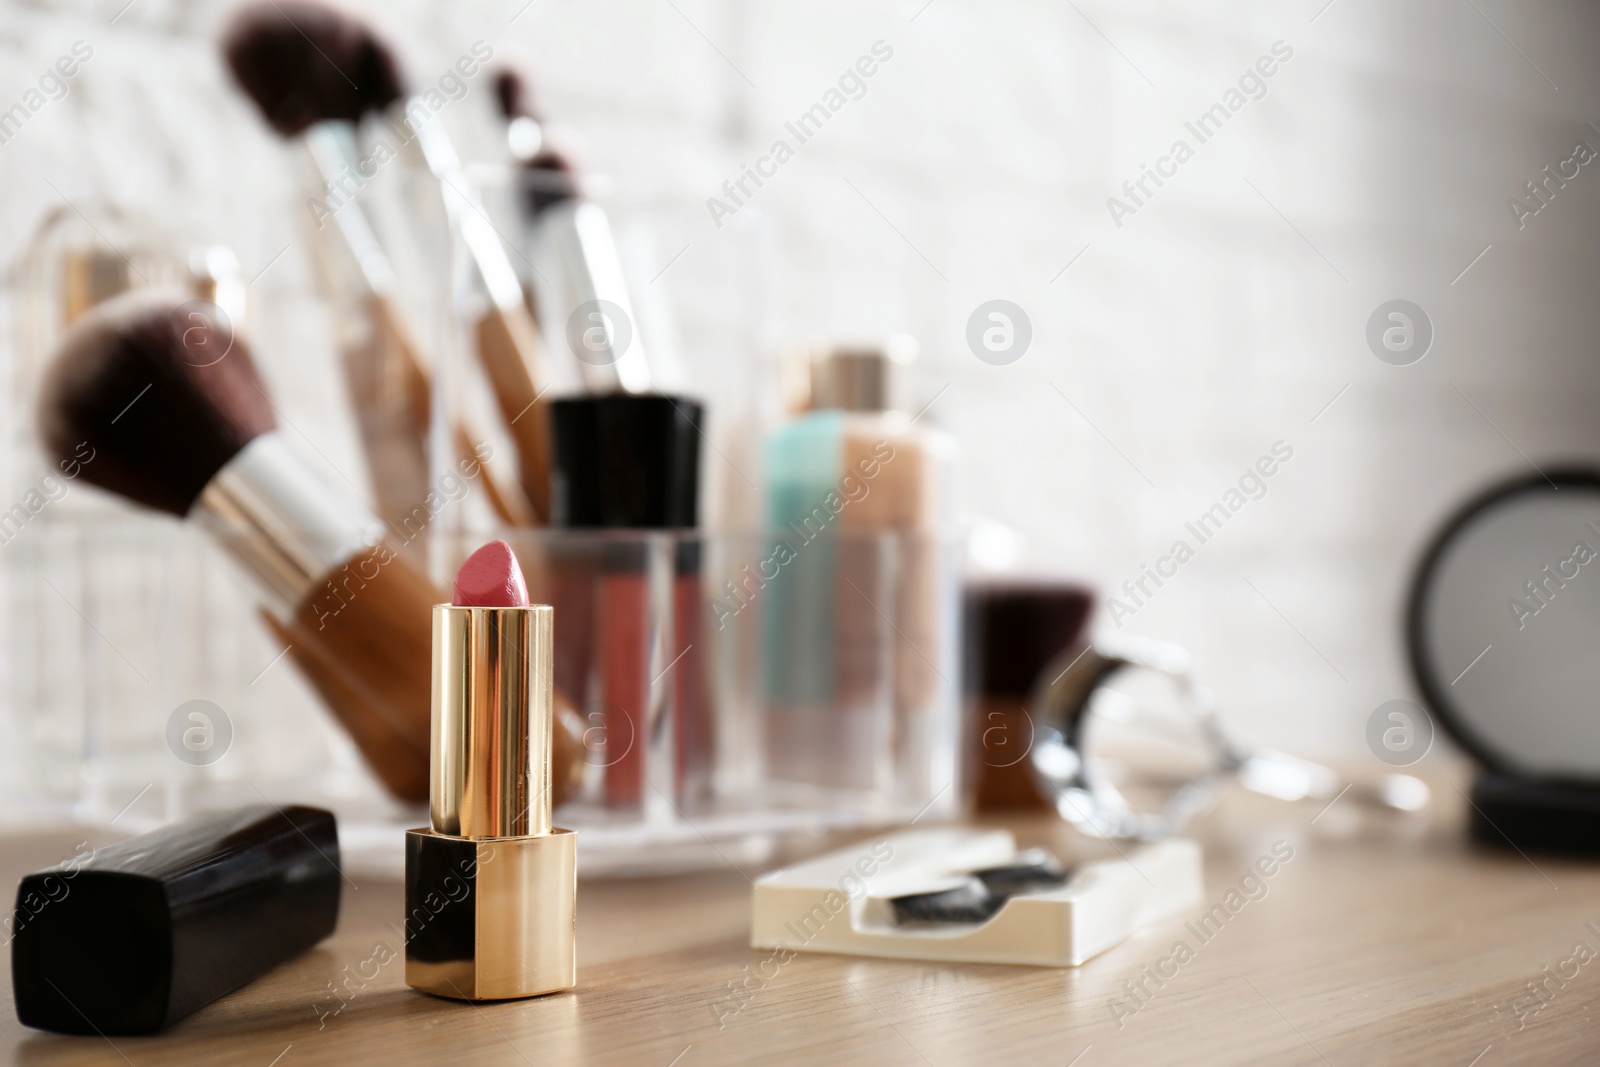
point(291, 35)
point(179, 428)
point(290, 60)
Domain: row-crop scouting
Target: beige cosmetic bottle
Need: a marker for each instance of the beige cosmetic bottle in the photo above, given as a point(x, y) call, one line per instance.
point(861, 613)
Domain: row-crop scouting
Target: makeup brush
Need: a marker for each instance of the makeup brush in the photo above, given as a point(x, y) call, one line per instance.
point(550, 175)
point(305, 64)
point(279, 36)
point(180, 422)
point(578, 235)
point(302, 91)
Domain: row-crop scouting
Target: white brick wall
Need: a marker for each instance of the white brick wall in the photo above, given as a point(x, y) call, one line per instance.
point(1196, 335)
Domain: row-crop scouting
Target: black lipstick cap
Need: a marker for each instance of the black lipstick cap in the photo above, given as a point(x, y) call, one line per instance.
point(134, 936)
point(625, 461)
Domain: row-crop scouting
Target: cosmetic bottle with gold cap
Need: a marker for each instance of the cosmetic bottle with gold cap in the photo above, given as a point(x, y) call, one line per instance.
point(858, 588)
point(491, 885)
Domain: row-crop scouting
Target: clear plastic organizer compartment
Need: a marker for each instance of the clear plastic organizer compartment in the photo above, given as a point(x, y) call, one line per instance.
point(727, 691)
point(140, 685)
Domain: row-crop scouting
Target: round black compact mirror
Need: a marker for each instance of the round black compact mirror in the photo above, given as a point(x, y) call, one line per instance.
point(1503, 626)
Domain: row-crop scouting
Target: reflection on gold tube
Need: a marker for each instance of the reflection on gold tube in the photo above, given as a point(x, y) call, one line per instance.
point(492, 718)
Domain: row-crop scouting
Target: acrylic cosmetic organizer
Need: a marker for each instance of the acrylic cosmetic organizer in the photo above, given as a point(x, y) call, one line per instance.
point(123, 628)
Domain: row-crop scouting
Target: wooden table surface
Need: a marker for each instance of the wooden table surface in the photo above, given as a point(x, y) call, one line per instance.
point(1379, 942)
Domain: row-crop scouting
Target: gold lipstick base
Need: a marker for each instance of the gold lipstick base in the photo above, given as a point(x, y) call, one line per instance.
point(491, 919)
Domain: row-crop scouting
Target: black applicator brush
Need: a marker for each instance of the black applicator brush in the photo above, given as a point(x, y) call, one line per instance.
point(313, 73)
point(278, 36)
point(578, 234)
point(179, 421)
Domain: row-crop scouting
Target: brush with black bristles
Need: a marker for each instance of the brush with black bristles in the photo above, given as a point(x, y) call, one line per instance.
point(576, 234)
point(178, 420)
point(304, 64)
point(551, 178)
point(273, 47)
point(313, 73)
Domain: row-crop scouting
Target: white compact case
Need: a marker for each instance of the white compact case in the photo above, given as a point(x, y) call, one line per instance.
point(845, 901)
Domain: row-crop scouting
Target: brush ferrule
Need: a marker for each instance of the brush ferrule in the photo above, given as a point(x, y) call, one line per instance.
point(282, 522)
point(466, 208)
point(331, 147)
point(611, 356)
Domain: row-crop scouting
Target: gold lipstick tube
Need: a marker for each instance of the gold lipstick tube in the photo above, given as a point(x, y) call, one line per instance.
point(491, 886)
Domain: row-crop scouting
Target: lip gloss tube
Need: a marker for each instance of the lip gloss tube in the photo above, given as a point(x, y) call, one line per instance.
point(625, 480)
point(491, 885)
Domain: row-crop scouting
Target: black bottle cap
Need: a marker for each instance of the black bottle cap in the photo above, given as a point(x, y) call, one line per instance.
point(1015, 628)
point(134, 936)
point(625, 461)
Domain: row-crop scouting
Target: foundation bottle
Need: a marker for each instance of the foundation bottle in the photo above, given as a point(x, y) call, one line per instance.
point(860, 605)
